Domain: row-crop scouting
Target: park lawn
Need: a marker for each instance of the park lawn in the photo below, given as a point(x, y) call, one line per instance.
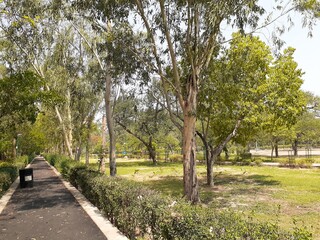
point(264, 193)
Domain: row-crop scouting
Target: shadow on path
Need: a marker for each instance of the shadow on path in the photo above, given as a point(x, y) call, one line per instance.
point(46, 211)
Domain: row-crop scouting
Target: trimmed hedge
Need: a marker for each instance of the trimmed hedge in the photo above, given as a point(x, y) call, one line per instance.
point(141, 213)
point(9, 171)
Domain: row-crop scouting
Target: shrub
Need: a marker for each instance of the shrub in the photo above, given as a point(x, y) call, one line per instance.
point(5, 181)
point(200, 156)
point(8, 173)
point(257, 161)
point(9, 168)
point(31, 157)
point(22, 161)
point(143, 213)
point(52, 159)
point(246, 155)
point(175, 158)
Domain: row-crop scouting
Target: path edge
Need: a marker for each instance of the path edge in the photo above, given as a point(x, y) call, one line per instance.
point(106, 227)
point(7, 196)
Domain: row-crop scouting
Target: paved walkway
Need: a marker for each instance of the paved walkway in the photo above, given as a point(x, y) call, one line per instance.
point(48, 210)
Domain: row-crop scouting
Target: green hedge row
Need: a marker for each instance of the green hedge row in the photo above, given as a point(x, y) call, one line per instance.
point(141, 213)
point(9, 171)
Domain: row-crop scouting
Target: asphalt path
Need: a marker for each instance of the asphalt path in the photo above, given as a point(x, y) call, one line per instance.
point(287, 152)
point(47, 210)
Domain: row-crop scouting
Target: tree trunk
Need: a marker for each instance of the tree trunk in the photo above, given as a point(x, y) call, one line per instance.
point(209, 159)
point(69, 127)
point(190, 180)
point(102, 164)
point(88, 142)
point(14, 148)
point(152, 155)
point(78, 151)
point(67, 141)
point(276, 149)
point(295, 148)
point(152, 152)
point(87, 150)
point(212, 153)
point(110, 124)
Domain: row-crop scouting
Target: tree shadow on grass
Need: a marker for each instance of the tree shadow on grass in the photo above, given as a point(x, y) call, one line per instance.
point(145, 164)
point(264, 180)
point(256, 179)
point(171, 185)
point(228, 186)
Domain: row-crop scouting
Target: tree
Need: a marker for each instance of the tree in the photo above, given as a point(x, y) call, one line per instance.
point(232, 98)
point(246, 88)
point(20, 97)
point(144, 117)
point(182, 37)
point(52, 48)
point(286, 102)
point(307, 128)
point(107, 37)
point(33, 44)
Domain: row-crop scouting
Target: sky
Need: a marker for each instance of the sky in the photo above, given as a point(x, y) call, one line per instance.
point(307, 53)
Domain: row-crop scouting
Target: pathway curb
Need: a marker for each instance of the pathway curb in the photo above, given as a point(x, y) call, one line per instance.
point(106, 227)
point(7, 196)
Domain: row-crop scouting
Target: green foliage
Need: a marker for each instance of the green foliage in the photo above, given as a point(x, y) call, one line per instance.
point(52, 159)
point(22, 161)
point(5, 181)
point(142, 213)
point(9, 171)
point(20, 94)
point(296, 162)
point(63, 163)
point(175, 158)
point(258, 161)
point(9, 168)
point(246, 155)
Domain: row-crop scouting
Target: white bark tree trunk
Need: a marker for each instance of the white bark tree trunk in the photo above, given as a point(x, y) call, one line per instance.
point(110, 124)
point(190, 180)
point(102, 166)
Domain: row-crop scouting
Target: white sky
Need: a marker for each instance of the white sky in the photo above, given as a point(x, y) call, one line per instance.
point(307, 53)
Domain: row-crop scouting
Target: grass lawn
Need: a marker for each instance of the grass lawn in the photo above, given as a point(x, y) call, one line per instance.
point(290, 197)
point(265, 193)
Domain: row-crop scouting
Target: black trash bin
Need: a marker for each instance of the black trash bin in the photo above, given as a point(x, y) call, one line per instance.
point(26, 177)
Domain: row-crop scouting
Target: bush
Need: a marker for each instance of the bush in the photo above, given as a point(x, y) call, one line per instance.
point(142, 213)
point(8, 173)
point(201, 157)
point(52, 159)
point(257, 162)
point(5, 181)
point(175, 158)
point(246, 155)
point(297, 162)
point(22, 161)
point(31, 157)
point(9, 168)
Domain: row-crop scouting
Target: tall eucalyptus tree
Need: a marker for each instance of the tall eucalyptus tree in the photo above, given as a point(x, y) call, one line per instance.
point(35, 44)
point(183, 37)
point(109, 33)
